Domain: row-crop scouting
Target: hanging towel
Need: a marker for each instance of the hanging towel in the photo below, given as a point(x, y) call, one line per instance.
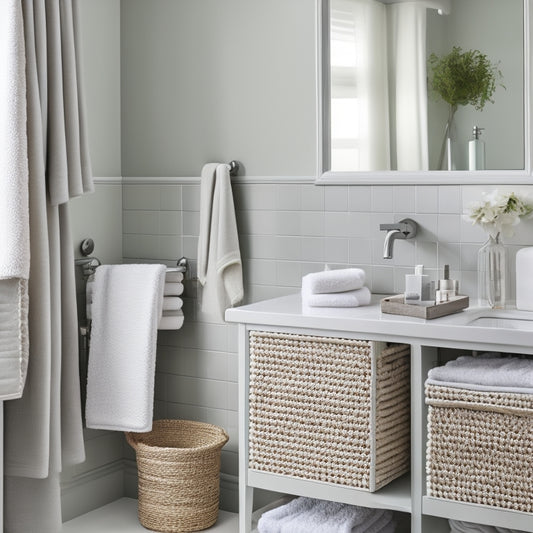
point(127, 305)
point(355, 298)
point(219, 257)
point(504, 374)
point(14, 211)
point(328, 281)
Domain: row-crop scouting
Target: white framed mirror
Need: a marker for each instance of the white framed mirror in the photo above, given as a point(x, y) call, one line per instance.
point(395, 105)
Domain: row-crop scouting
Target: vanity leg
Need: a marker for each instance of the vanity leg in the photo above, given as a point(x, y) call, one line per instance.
point(246, 499)
point(422, 359)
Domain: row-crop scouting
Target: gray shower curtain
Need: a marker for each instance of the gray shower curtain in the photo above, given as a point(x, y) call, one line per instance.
point(43, 430)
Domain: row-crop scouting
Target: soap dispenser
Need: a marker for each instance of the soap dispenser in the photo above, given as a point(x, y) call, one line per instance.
point(476, 150)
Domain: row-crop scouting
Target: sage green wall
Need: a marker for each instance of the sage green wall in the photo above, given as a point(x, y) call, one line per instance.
point(218, 80)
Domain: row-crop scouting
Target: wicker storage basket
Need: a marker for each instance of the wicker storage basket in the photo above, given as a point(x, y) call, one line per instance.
point(178, 465)
point(480, 447)
point(329, 409)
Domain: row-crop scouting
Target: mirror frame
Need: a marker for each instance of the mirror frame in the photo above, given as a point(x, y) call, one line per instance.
point(395, 177)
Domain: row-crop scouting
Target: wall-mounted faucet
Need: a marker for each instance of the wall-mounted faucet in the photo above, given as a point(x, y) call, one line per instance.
point(405, 229)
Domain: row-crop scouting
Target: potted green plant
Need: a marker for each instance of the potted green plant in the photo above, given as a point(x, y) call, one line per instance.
point(462, 78)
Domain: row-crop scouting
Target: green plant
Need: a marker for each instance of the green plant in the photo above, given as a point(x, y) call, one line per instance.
point(462, 78)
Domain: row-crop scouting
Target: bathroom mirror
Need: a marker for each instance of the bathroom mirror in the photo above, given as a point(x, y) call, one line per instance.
point(423, 91)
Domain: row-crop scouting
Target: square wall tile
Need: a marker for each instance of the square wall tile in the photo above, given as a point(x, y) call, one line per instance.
point(404, 199)
point(312, 198)
point(450, 199)
point(336, 198)
point(382, 199)
point(427, 199)
point(360, 198)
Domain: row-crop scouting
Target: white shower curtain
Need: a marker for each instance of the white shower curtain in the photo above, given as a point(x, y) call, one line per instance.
point(43, 430)
point(408, 85)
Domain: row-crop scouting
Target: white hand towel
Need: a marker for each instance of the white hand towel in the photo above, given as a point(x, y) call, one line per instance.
point(172, 303)
point(173, 289)
point(127, 304)
point(171, 320)
point(457, 526)
point(328, 281)
point(506, 374)
point(355, 298)
point(173, 276)
point(220, 267)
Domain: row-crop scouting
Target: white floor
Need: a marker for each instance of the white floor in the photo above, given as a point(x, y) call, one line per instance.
point(121, 517)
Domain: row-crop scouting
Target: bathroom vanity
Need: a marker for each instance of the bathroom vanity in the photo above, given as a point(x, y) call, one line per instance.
point(474, 329)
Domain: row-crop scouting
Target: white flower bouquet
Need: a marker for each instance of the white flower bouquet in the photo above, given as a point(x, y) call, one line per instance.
point(499, 212)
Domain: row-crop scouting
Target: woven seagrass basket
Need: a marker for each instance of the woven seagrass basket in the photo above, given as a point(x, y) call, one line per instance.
point(479, 447)
point(329, 409)
point(178, 465)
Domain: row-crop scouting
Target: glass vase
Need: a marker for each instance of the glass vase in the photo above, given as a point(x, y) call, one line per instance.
point(492, 273)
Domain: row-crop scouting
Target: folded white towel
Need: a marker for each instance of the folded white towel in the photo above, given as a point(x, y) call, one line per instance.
point(173, 289)
point(171, 320)
point(308, 515)
point(127, 305)
point(328, 281)
point(457, 526)
point(172, 276)
point(172, 303)
point(506, 374)
point(355, 298)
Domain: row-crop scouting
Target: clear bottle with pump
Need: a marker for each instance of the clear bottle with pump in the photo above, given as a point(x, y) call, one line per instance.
point(476, 150)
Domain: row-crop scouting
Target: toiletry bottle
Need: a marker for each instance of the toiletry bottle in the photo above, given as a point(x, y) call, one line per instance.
point(417, 287)
point(447, 287)
point(476, 150)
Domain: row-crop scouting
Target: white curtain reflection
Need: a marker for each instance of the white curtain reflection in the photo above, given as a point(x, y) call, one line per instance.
point(378, 86)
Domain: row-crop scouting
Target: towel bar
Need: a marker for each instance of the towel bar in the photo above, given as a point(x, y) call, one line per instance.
point(233, 167)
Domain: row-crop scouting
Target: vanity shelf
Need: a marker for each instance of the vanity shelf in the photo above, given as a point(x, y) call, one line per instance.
point(462, 331)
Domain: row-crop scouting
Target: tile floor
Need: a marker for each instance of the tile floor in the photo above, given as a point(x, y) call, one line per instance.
point(121, 517)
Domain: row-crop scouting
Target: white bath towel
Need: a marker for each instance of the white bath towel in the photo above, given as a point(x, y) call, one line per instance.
point(172, 303)
point(308, 515)
point(14, 211)
point(173, 289)
point(171, 320)
point(355, 298)
point(329, 281)
point(506, 374)
point(127, 305)
point(219, 257)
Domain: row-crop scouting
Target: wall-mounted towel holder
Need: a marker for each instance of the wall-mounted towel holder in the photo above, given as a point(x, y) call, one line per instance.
point(233, 167)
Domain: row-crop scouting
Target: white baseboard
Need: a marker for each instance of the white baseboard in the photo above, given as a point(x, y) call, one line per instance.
point(90, 490)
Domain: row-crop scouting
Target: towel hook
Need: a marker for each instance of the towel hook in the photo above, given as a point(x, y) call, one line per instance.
point(233, 167)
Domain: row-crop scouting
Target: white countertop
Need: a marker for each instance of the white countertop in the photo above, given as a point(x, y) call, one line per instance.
point(499, 330)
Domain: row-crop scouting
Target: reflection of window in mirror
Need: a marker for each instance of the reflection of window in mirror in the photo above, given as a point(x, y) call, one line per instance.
point(381, 115)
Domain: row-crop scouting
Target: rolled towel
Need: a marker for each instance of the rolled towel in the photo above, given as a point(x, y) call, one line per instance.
point(378, 522)
point(171, 320)
point(329, 281)
point(172, 303)
point(355, 298)
point(173, 289)
point(307, 515)
point(172, 276)
point(506, 374)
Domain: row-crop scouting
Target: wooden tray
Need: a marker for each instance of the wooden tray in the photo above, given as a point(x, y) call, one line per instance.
point(395, 305)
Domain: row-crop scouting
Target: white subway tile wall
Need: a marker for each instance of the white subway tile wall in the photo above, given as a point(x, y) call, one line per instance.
point(287, 231)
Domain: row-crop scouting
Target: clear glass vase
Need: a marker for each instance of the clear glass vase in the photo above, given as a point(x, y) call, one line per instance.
point(492, 273)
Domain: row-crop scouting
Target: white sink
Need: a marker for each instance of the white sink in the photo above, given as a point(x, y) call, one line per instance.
point(502, 322)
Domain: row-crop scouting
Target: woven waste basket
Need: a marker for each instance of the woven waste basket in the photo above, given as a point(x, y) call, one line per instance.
point(178, 465)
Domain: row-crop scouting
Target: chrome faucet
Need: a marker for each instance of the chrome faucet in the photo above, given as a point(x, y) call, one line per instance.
point(405, 229)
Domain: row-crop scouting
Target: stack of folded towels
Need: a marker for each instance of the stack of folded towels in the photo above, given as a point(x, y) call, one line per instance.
point(308, 515)
point(335, 288)
point(486, 372)
point(172, 316)
point(466, 527)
